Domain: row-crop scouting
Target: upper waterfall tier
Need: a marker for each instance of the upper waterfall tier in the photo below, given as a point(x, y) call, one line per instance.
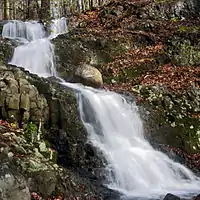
point(30, 31)
point(36, 54)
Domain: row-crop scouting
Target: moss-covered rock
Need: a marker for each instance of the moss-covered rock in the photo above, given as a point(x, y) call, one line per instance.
point(174, 117)
point(49, 112)
point(14, 186)
point(72, 50)
point(6, 50)
point(184, 50)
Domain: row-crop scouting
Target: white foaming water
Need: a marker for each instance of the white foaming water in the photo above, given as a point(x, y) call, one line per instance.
point(37, 52)
point(27, 30)
point(58, 26)
point(37, 57)
point(134, 167)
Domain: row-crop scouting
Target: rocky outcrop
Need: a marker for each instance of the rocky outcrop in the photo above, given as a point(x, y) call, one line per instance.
point(20, 101)
point(177, 121)
point(31, 102)
point(29, 168)
point(6, 50)
point(13, 185)
point(72, 50)
point(168, 10)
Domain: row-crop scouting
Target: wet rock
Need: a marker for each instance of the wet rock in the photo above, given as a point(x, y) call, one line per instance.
point(88, 75)
point(171, 197)
point(197, 197)
point(44, 182)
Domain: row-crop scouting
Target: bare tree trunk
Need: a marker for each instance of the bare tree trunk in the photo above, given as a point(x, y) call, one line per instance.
point(13, 9)
point(45, 9)
point(1, 10)
point(5, 16)
point(41, 9)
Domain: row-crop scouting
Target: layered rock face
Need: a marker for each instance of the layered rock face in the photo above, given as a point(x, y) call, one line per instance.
point(21, 101)
point(52, 133)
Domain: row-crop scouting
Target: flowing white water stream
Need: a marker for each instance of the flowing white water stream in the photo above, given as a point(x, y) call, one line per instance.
point(134, 167)
point(36, 54)
point(114, 127)
point(30, 31)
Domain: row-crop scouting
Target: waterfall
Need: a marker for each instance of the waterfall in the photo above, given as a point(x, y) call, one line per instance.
point(37, 57)
point(135, 169)
point(36, 54)
point(31, 30)
point(58, 26)
point(114, 126)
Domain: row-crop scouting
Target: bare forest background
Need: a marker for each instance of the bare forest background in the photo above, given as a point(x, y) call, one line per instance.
point(44, 9)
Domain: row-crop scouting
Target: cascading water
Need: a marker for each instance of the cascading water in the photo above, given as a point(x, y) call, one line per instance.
point(114, 127)
point(36, 54)
point(58, 26)
point(134, 167)
point(31, 30)
point(37, 57)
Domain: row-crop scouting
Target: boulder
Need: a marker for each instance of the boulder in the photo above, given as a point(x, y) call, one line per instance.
point(13, 185)
point(88, 75)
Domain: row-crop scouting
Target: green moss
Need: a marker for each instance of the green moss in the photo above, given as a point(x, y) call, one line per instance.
point(188, 55)
point(188, 29)
point(175, 19)
point(184, 53)
point(189, 132)
point(182, 130)
point(31, 132)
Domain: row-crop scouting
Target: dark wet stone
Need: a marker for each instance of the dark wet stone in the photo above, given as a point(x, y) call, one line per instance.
point(171, 197)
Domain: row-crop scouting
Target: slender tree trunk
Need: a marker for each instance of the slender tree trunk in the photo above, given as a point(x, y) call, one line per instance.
point(5, 9)
point(1, 10)
point(13, 10)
